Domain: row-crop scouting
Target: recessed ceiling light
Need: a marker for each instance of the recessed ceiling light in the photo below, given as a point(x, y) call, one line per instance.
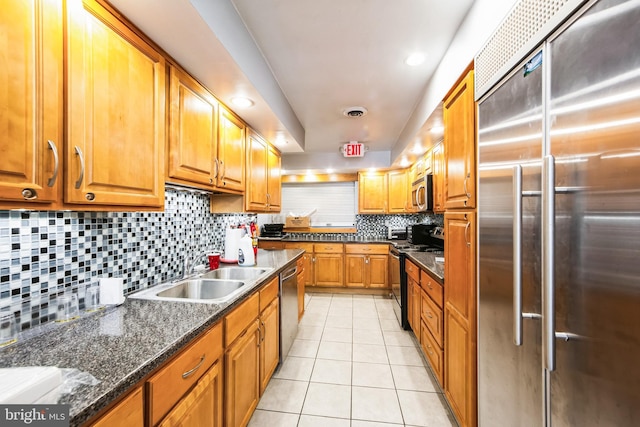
point(241, 102)
point(437, 129)
point(417, 149)
point(329, 170)
point(415, 59)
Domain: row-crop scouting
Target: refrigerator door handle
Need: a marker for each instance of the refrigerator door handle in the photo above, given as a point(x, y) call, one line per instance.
point(518, 315)
point(548, 270)
point(517, 255)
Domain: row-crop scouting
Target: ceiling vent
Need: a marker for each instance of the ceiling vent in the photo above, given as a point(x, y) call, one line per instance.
point(355, 112)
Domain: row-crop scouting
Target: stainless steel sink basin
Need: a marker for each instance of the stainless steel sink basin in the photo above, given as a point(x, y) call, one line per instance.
point(212, 287)
point(236, 273)
point(202, 289)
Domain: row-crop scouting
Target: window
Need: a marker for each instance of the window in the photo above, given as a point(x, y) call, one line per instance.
point(335, 203)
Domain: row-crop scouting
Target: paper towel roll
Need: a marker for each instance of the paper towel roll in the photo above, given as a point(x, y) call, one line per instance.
point(231, 243)
point(111, 291)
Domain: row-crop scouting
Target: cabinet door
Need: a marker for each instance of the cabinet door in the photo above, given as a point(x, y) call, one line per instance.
point(459, 140)
point(355, 270)
point(439, 184)
point(377, 271)
point(460, 339)
point(300, 289)
point(31, 100)
point(372, 192)
point(274, 183)
point(256, 198)
point(309, 269)
point(230, 152)
point(115, 112)
point(193, 130)
point(398, 188)
point(242, 377)
point(329, 269)
point(270, 343)
point(202, 406)
point(128, 412)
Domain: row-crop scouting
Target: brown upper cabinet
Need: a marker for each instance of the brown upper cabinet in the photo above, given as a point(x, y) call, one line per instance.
point(193, 132)
point(384, 192)
point(372, 192)
point(459, 140)
point(31, 144)
point(115, 116)
point(439, 183)
point(263, 193)
point(399, 191)
point(230, 160)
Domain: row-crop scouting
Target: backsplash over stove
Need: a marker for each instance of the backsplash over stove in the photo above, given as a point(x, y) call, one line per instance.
point(45, 254)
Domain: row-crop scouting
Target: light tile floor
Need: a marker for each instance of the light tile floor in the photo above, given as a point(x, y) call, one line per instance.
point(351, 365)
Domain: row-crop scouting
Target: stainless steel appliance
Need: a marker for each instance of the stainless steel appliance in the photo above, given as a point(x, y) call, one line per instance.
point(559, 229)
point(288, 310)
point(422, 194)
point(420, 234)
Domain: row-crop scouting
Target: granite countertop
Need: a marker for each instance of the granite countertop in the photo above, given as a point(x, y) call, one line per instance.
point(120, 346)
point(427, 261)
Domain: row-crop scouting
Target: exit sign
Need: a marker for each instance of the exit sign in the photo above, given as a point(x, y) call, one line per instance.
point(353, 149)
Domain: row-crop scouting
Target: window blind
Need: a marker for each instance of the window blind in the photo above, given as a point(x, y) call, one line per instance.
point(335, 202)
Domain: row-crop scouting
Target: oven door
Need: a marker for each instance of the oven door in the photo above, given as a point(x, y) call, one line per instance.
point(394, 275)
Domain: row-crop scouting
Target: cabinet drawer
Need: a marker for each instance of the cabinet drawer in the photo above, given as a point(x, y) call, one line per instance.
point(169, 384)
point(238, 320)
point(307, 247)
point(267, 244)
point(433, 352)
point(412, 270)
point(432, 288)
point(431, 314)
point(269, 292)
point(328, 248)
point(366, 249)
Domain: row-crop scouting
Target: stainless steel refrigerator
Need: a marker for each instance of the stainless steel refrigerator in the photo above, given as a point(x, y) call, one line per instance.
point(559, 229)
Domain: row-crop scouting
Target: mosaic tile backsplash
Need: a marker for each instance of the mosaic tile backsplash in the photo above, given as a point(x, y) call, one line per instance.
point(46, 254)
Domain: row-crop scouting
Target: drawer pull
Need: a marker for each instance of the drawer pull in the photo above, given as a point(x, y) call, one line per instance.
point(190, 372)
point(429, 315)
point(429, 285)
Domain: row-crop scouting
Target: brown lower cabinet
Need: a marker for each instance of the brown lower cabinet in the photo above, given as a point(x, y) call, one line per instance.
point(329, 264)
point(202, 406)
point(128, 412)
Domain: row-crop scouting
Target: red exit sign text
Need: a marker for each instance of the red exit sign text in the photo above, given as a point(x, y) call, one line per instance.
point(353, 149)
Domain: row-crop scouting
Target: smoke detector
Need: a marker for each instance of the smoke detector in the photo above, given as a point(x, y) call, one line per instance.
point(354, 111)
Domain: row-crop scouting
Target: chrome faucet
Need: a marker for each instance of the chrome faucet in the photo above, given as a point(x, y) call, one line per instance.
point(189, 264)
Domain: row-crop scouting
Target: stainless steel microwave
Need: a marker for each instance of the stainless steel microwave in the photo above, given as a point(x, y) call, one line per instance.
point(422, 194)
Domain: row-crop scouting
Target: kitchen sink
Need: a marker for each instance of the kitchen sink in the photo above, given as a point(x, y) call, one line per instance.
point(236, 273)
point(202, 289)
point(216, 286)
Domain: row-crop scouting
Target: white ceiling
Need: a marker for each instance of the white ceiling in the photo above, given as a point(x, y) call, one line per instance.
point(303, 61)
point(332, 54)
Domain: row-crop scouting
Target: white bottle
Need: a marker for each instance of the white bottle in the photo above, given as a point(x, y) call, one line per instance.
point(246, 256)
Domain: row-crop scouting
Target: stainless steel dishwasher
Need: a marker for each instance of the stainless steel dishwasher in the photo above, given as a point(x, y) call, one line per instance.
point(288, 310)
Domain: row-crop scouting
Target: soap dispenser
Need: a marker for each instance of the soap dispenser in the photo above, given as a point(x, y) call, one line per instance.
point(246, 257)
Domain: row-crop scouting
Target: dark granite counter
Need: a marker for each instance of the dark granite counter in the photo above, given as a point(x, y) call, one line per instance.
point(427, 261)
point(120, 346)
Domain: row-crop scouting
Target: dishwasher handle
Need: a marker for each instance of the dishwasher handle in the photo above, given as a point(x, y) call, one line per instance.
point(288, 274)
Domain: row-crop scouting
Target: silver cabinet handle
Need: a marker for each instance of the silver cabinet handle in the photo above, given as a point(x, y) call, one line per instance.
point(81, 157)
point(190, 372)
point(464, 186)
point(466, 233)
point(548, 252)
point(56, 163)
point(217, 168)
